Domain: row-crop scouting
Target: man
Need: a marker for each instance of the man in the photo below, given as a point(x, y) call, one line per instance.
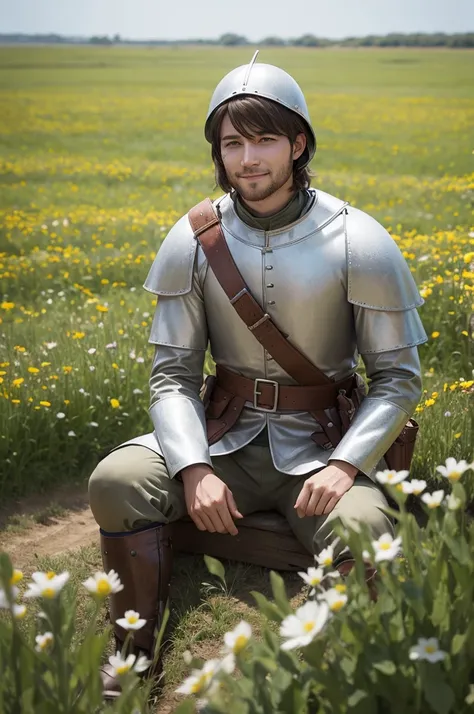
point(333, 281)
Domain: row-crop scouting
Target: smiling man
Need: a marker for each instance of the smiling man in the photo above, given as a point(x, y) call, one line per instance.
point(288, 285)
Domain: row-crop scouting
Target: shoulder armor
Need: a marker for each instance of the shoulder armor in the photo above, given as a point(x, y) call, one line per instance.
point(172, 269)
point(378, 275)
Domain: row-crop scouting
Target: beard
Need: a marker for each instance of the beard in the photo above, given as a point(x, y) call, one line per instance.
point(260, 190)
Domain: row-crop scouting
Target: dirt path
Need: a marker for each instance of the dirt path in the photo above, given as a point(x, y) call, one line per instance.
point(72, 528)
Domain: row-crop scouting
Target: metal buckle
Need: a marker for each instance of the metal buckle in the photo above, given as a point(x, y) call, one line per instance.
point(256, 394)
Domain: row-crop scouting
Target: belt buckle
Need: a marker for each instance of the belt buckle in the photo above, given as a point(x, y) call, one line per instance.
point(257, 393)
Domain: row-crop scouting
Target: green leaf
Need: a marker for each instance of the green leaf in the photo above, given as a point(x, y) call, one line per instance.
point(458, 643)
point(279, 593)
point(438, 693)
point(267, 608)
point(186, 707)
point(215, 567)
point(356, 697)
point(386, 667)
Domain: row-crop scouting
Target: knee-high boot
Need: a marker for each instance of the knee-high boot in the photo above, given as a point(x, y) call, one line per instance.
point(143, 561)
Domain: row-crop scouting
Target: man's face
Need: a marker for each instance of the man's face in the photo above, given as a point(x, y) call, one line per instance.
point(256, 167)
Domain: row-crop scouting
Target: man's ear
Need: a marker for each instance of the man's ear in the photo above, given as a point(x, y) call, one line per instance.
point(299, 146)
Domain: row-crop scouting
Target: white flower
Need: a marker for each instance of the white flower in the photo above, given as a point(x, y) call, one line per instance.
point(313, 577)
point(447, 414)
point(140, 360)
point(51, 345)
point(433, 500)
point(132, 354)
point(453, 469)
point(336, 597)
point(325, 557)
point(202, 680)
point(301, 628)
point(427, 649)
point(71, 433)
point(236, 640)
point(103, 584)
point(390, 476)
point(55, 223)
point(43, 641)
point(47, 585)
point(4, 603)
point(60, 415)
point(386, 547)
point(452, 502)
point(65, 223)
point(414, 486)
point(111, 346)
point(137, 391)
point(91, 368)
point(93, 423)
point(91, 351)
point(146, 314)
point(131, 621)
point(122, 666)
point(19, 611)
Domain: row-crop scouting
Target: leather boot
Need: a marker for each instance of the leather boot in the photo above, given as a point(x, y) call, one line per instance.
point(345, 568)
point(142, 560)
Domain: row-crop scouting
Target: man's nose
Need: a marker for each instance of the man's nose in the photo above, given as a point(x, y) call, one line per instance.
point(250, 155)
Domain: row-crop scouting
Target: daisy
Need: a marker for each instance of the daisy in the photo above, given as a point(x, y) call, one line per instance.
point(427, 649)
point(103, 584)
point(301, 628)
point(453, 469)
point(433, 500)
point(131, 663)
point(47, 585)
point(236, 640)
point(131, 621)
point(390, 476)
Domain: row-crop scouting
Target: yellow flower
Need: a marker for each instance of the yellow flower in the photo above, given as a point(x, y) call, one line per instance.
point(45, 364)
point(434, 335)
point(16, 382)
point(15, 401)
point(45, 404)
point(7, 305)
point(429, 402)
point(114, 403)
point(78, 335)
point(115, 365)
point(456, 436)
point(19, 348)
point(33, 370)
point(101, 308)
point(66, 402)
point(67, 369)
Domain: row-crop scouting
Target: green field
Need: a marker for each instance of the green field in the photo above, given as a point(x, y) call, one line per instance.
point(102, 149)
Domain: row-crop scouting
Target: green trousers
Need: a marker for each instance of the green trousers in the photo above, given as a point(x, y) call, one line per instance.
point(130, 488)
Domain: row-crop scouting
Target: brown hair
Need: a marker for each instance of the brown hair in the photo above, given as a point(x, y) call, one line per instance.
point(256, 115)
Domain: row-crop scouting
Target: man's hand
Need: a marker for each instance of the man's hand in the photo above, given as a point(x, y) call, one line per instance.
point(209, 501)
point(322, 490)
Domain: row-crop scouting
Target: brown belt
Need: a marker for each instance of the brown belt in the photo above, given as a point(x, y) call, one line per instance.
point(269, 395)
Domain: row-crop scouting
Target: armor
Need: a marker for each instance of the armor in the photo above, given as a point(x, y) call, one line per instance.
point(270, 82)
point(336, 283)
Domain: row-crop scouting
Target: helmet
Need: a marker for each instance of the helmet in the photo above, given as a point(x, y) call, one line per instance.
point(263, 80)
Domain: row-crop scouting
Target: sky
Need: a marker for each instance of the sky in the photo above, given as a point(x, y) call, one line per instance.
point(256, 19)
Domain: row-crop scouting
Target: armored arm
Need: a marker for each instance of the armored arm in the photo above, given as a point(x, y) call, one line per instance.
point(388, 329)
point(179, 331)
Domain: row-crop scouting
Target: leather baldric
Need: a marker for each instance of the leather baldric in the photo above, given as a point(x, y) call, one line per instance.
point(207, 229)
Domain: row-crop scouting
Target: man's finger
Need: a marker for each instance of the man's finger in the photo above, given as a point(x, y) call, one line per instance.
point(207, 522)
point(303, 500)
point(232, 504)
point(197, 522)
point(226, 518)
point(330, 506)
point(314, 502)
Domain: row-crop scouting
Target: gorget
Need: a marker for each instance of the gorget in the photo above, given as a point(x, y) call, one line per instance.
point(336, 283)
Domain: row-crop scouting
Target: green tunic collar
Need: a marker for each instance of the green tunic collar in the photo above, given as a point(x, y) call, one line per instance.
point(294, 209)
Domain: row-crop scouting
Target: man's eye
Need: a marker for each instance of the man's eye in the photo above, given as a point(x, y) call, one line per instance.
point(267, 138)
point(232, 143)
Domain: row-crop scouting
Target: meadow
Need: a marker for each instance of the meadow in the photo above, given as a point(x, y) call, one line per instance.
point(102, 149)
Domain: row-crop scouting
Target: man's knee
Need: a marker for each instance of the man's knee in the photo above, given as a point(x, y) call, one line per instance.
point(117, 482)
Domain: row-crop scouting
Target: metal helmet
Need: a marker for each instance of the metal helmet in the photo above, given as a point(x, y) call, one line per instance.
point(270, 82)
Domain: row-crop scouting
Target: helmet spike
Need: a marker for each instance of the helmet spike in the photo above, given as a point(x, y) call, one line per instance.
point(249, 69)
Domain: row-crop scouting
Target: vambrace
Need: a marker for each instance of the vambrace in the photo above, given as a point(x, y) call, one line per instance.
point(176, 410)
point(394, 392)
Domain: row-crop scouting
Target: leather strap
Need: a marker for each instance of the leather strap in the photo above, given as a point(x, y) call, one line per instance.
point(269, 395)
point(207, 229)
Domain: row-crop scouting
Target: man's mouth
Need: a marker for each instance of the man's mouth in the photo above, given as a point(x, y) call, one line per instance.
point(252, 176)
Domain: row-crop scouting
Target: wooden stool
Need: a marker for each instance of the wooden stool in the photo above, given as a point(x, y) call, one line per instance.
point(264, 539)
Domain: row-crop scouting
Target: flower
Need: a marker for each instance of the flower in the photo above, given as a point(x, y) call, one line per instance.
point(111, 346)
point(453, 502)
point(16, 382)
point(453, 469)
point(202, 680)
point(47, 585)
point(302, 627)
point(17, 575)
point(60, 415)
point(71, 433)
point(45, 404)
point(137, 391)
point(391, 476)
point(435, 334)
point(386, 547)
point(103, 584)
point(51, 345)
point(313, 577)
point(43, 641)
point(33, 370)
point(122, 666)
point(237, 640)
point(114, 403)
point(91, 351)
point(427, 649)
point(4, 601)
point(433, 500)
point(131, 621)
point(19, 611)
point(325, 557)
point(93, 423)
point(414, 486)
point(334, 598)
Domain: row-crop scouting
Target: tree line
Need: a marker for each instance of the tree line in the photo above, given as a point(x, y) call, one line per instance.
point(229, 39)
